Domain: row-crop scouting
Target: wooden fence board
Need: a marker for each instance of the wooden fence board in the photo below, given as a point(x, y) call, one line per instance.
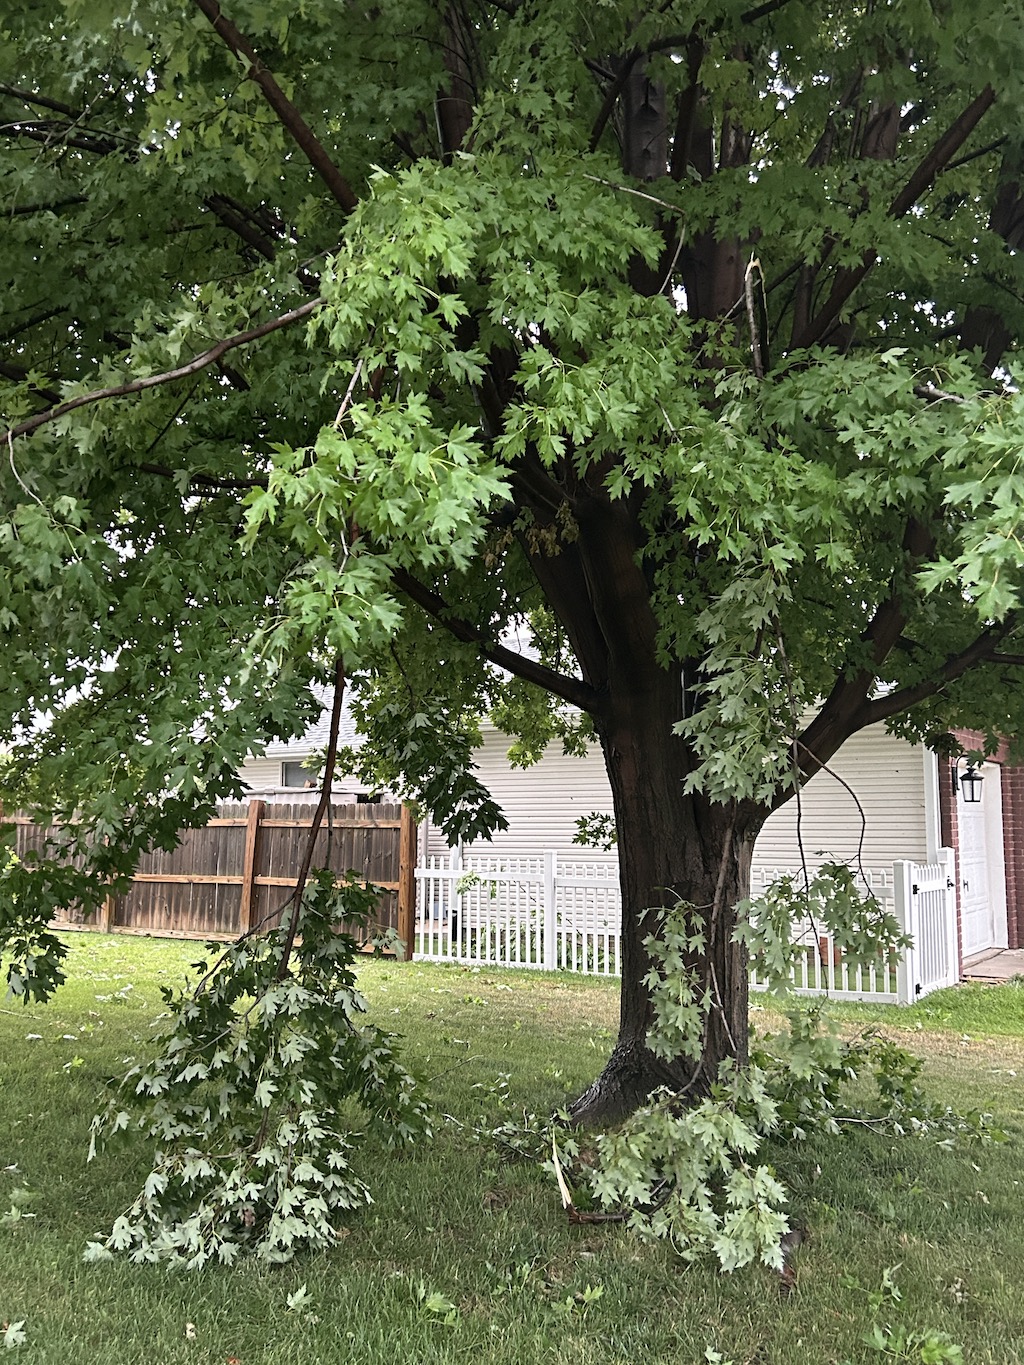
point(234, 873)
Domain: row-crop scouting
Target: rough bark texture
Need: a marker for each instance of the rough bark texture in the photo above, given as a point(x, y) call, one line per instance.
point(672, 847)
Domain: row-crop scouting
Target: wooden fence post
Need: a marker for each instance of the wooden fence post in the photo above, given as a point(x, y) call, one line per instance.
point(252, 834)
point(407, 881)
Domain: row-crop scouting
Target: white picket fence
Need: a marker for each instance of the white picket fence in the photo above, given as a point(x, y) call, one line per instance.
point(520, 912)
point(553, 913)
point(819, 967)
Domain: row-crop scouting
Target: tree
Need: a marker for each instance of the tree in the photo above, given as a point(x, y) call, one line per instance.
point(680, 341)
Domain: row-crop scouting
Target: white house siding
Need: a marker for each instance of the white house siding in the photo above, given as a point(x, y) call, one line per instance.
point(261, 774)
point(542, 805)
point(888, 776)
point(264, 774)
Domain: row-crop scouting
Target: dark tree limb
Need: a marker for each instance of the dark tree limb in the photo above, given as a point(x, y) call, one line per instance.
point(211, 483)
point(939, 156)
point(287, 113)
point(974, 156)
point(60, 135)
point(30, 97)
point(942, 153)
point(687, 110)
point(826, 741)
point(239, 224)
point(36, 320)
point(456, 103)
point(839, 715)
point(612, 94)
point(572, 690)
point(980, 651)
point(762, 11)
point(238, 220)
point(23, 210)
point(153, 381)
point(19, 375)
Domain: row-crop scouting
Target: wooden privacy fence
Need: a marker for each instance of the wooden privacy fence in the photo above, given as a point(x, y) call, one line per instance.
point(234, 874)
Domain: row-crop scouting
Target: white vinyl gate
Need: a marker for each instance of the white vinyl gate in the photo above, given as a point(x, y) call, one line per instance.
point(926, 908)
point(551, 913)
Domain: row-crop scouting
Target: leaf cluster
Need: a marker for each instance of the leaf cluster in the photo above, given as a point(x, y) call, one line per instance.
point(690, 1167)
point(248, 1104)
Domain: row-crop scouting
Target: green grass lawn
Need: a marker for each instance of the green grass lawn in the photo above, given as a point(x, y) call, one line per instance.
point(451, 1220)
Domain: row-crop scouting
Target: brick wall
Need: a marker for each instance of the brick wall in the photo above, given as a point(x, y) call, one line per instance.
point(1012, 782)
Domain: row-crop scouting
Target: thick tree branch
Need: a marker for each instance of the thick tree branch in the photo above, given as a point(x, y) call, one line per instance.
point(239, 224)
point(282, 106)
point(848, 278)
point(238, 220)
point(762, 11)
point(30, 98)
point(890, 618)
point(23, 210)
point(951, 141)
point(455, 104)
point(212, 482)
point(572, 690)
point(19, 375)
point(838, 716)
point(820, 742)
point(152, 381)
point(612, 94)
point(982, 650)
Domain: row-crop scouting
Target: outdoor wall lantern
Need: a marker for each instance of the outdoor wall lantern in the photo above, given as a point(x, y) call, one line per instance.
point(970, 781)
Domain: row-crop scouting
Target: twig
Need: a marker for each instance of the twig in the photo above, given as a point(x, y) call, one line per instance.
point(933, 395)
point(153, 381)
point(295, 899)
point(824, 768)
point(14, 470)
point(563, 1188)
point(349, 391)
point(673, 263)
point(748, 293)
point(574, 1214)
point(716, 909)
point(628, 189)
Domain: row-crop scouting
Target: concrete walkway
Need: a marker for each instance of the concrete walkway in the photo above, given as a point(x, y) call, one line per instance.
point(995, 965)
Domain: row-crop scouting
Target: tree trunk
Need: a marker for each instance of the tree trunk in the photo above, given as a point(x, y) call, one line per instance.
point(672, 847)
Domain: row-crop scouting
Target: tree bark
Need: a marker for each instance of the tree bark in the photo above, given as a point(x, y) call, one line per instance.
point(672, 847)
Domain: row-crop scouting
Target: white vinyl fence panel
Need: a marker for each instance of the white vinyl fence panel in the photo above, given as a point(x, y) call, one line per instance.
point(554, 913)
point(819, 967)
point(541, 912)
point(926, 908)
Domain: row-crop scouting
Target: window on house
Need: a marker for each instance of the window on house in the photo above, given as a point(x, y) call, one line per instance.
point(296, 775)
